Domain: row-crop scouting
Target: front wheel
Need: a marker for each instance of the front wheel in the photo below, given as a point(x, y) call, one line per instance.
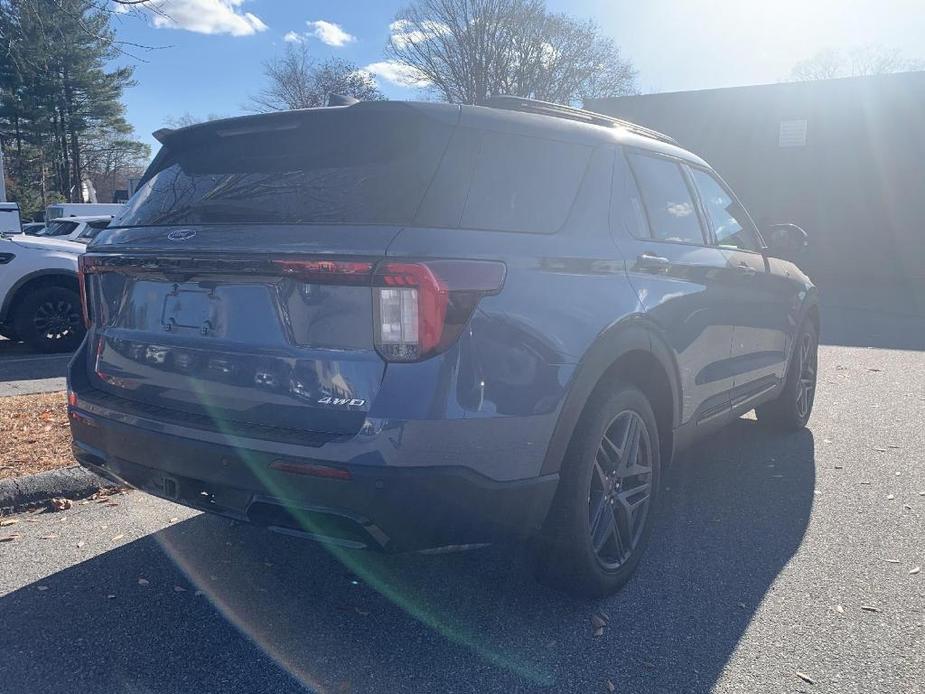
point(602, 517)
point(49, 320)
point(791, 409)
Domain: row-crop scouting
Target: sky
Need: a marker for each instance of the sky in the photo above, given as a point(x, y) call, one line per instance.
point(205, 56)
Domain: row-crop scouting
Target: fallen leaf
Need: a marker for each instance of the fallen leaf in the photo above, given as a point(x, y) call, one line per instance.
point(118, 537)
point(806, 678)
point(8, 521)
point(60, 504)
point(142, 581)
point(916, 570)
point(870, 608)
point(610, 686)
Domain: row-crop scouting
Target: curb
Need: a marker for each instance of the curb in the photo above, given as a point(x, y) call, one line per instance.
point(72, 482)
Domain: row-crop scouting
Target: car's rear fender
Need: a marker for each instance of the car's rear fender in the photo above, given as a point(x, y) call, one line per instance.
point(629, 342)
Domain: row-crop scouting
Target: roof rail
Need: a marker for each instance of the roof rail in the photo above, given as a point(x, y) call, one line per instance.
point(545, 108)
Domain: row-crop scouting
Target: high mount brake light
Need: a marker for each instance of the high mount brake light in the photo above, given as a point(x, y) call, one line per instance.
point(420, 308)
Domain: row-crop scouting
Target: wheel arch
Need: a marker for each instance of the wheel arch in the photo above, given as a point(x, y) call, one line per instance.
point(35, 280)
point(631, 351)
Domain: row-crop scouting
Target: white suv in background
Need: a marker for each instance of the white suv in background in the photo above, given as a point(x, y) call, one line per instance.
point(39, 292)
point(81, 229)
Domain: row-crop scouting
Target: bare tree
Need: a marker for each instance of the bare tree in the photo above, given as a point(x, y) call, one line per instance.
point(186, 119)
point(469, 50)
point(869, 59)
point(295, 80)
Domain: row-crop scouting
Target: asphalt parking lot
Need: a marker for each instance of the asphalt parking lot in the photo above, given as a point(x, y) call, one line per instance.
point(773, 556)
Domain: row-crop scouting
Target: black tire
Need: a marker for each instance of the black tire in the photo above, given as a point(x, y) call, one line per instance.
point(571, 556)
point(791, 409)
point(49, 320)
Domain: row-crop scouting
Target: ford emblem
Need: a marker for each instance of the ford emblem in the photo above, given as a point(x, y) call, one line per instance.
point(181, 234)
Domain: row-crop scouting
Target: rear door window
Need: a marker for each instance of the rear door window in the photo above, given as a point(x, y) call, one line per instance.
point(523, 183)
point(666, 197)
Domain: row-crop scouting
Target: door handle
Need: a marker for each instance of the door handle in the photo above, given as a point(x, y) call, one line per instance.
point(653, 263)
point(746, 270)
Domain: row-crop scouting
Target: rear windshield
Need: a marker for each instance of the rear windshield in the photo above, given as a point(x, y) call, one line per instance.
point(58, 229)
point(330, 167)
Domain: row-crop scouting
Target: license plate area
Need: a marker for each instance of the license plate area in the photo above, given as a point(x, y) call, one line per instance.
point(189, 308)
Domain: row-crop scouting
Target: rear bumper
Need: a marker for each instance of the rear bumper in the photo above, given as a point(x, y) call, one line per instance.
point(379, 507)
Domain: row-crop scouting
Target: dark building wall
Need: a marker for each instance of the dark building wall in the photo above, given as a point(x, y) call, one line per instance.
point(858, 184)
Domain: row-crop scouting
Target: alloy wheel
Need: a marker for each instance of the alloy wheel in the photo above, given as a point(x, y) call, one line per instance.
point(56, 320)
point(806, 387)
point(621, 489)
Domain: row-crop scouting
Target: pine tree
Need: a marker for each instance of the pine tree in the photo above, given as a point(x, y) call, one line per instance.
point(58, 98)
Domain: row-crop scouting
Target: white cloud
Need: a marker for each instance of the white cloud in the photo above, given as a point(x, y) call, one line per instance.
point(396, 73)
point(204, 16)
point(292, 37)
point(404, 32)
point(330, 33)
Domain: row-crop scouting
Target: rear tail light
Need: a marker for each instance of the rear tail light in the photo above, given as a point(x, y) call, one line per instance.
point(83, 268)
point(421, 308)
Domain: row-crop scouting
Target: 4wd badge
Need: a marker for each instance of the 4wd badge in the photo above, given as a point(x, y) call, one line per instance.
point(341, 402)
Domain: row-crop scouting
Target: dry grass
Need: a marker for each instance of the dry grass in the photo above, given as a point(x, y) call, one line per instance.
point(34, 434)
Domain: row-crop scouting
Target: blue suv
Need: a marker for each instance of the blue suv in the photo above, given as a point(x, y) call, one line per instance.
point(403, 326)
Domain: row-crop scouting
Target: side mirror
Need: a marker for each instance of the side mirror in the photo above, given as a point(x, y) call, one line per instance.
point(785, 240)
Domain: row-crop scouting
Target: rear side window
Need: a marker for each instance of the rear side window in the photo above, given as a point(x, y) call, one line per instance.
point(363, 166)
point(522, 183)
point(667, 200)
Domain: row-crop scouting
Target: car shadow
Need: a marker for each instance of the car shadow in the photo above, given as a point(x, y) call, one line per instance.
point(279, 614)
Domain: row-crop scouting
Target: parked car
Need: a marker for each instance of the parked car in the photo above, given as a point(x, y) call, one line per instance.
point(81, 229)
point(39, 293)
point(401, 326)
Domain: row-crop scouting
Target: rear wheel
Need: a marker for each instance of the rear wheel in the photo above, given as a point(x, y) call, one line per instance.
point(603, 513)
point(49, 320)
point(791, 409)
